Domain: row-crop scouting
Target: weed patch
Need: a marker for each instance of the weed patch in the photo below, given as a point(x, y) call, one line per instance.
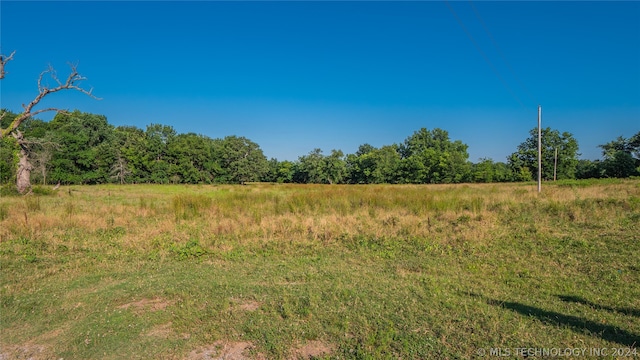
point(191, 249)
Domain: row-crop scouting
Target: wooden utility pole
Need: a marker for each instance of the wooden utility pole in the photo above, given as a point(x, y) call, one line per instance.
point(539, 150)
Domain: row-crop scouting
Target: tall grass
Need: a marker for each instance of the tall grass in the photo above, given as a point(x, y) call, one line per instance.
point(296, 213)
point(379, 271)
point(186, 206)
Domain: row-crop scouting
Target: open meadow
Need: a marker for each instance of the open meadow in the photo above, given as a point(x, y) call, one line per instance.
point(272, 271)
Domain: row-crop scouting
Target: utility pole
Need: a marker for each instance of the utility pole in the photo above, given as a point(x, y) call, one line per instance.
point(539, 150)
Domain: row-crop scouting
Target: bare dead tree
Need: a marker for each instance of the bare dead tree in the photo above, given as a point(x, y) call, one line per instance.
point(23, 176)
point(120, 170)
point(72, 82)
point(3, 61)
point(41, 153)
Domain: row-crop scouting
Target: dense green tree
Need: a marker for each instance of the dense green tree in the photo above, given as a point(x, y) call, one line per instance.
point(487, 171)
point(620, 165)
point(82, 148)
point(589, 169)
point(240, 159)
point(317, 168)
point(431, 157)
point(6, 118)
point(502, 172)
point(311, 168)
point(483, 171)
point(157, 140)
point(279, 171)
point(86, 150)
point(621, 157)
point(364, 149)
point(335, 167)
point(34, 128)
point(286, 169)
point(8, 149)
point(630, 146)
point(193, 159)
point(373, 166)
point(8, 159)
point(131, 144)
point(386, 160)
point(527, 155)
point(356, 166)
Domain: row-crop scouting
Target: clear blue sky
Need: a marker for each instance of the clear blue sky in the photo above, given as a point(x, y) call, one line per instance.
point(293, 76)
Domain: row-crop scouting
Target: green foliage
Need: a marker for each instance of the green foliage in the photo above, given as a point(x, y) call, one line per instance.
point(42, 190)
point(279, 171)
point(373, 166)
point(131, 147)
point(621, 157)
point(335, 167)
point(9, 190)
point(240, 159)
point(587, 169)
point(431, 157)
point(620, 164)
point(191, 249)
point(527, 155)
point(630, 146)
point(311, 168)
point(86, 151)
point(487, 171)
point(621, 160)
point(8, 160)
point(83, 148)
point(320, 169)
point(190, 159)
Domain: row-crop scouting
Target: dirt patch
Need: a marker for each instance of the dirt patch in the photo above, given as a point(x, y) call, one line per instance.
point(225, 350)
point(155, 304)
point(311, 349)
point(26, 352)
point(163, 331)
point(249, 306)
point(36, 348)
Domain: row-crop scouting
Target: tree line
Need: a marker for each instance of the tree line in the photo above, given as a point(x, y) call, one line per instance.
point(83, 148)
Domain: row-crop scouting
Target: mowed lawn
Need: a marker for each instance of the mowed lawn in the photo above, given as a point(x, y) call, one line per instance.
point(268, 271)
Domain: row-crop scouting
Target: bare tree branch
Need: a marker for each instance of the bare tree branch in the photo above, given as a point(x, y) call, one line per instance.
point(23, 177)
point(71, 83)
point(3, 61)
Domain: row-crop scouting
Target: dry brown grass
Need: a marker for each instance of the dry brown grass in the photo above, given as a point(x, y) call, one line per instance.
point(144, 218)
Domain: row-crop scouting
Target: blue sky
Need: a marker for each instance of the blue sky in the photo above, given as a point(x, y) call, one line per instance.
point(293, 76)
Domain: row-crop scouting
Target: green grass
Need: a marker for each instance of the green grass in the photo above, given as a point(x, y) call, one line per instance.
point(370, 272)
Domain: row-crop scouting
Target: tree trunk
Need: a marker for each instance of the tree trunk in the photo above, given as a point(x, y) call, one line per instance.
point(23, 176)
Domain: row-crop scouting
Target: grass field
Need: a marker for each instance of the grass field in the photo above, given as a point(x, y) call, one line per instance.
point(320, 271)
